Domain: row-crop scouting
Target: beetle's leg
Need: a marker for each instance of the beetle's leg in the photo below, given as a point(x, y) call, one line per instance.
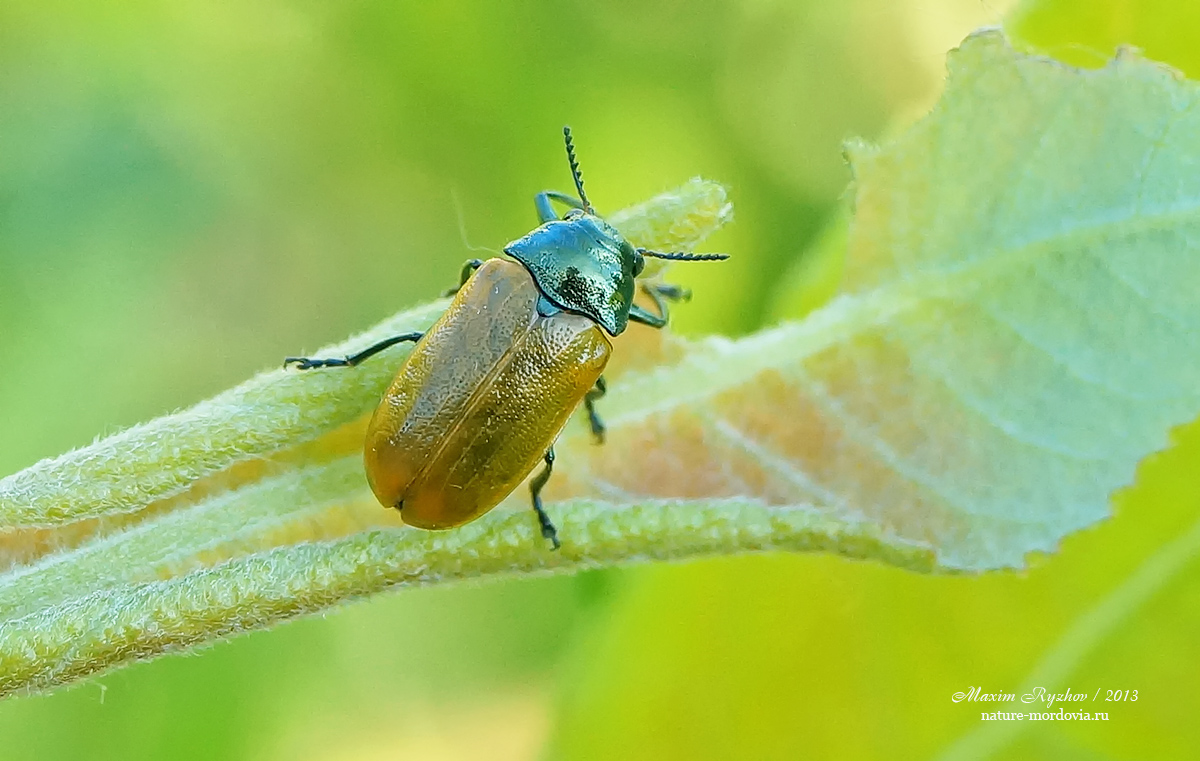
point(468, 269)
point(669, 291)
point(535, 488)
point(637, 314)
point(304, 363)
point(658, 292)
point(546, 211)
point(589, 402)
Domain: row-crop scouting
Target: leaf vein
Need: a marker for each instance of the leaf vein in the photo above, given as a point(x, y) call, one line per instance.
point(774, 462)
point(856, 431)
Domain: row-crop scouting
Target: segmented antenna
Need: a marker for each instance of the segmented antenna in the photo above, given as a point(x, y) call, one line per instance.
point(575, 173)
point(683, 257)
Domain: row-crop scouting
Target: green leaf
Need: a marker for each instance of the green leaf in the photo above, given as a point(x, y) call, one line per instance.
point(1088, 32)
point(815, 277)
point(1017, 331)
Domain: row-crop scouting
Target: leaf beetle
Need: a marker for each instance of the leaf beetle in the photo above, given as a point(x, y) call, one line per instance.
point(487, 389)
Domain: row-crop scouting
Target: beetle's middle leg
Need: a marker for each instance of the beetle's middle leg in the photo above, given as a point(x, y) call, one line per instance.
point(589, 402)
point(669, 291)
point(305, 363)
point(468, 269)
point(535, 489)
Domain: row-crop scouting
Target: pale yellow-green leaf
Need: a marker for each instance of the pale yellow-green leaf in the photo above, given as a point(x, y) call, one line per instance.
point(252, 508)
point(64, 640)
point(1017, 331)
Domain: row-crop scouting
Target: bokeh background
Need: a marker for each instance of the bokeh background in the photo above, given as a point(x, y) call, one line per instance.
point(190, 191)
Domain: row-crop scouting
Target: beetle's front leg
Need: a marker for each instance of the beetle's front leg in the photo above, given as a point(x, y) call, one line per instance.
point(535, 488)
point(468, 269)
point(589, 403)
point(545, 210)
point(304, 363)
point(658, 292)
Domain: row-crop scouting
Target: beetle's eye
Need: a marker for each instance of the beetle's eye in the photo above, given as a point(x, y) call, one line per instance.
point(639, 263)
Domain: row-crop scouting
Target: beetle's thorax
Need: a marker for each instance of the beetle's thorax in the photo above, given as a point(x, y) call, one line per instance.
point(582, 264)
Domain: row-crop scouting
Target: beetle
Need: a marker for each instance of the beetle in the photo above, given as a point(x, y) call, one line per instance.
point(486, 390)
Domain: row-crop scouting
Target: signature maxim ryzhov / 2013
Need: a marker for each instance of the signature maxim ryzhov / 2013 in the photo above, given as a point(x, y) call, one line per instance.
point(1042, 695)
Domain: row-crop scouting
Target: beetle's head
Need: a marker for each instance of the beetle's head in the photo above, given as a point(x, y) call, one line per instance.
point(583, 264)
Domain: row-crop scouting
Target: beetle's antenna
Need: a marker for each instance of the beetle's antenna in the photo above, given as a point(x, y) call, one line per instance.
point(682, 257)
point(575, 173)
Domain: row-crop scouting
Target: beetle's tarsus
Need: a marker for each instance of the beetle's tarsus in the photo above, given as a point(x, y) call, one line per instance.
point(535, 489)
point(548, 531)
point(589, 403)
point(306, 363)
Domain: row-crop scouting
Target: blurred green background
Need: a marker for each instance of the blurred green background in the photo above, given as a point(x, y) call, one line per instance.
point(190, 191)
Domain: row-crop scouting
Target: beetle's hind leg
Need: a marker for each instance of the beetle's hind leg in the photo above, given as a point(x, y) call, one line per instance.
point(535, 489)
point(468, 269)
point(305, 363)
point(589, 403)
